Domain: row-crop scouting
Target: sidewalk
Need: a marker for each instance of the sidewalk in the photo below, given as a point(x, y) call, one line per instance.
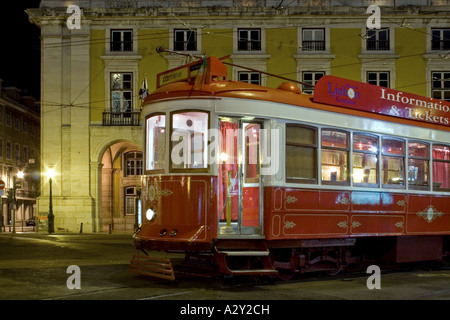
point(119, 235)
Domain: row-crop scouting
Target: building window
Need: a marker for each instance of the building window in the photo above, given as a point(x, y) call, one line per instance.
point(440, 85)
point(249, 39)
point(185, 40)
point(17, 153)
point(313, 39)
point(301, 154)
point(133, 163)
point(121, 40)
point(393, 162)
point(17, 122)
point(189, 147)
point(8, 118)
point(25, 154)
point(311, 78)
point(130, 200)
point(335, 150)
point(156, 142)
point(250, 77)
point(378, 78)
point(440, 39)
point(418, 165)
point(377, 40)
point(441, 168)
point(25, 125)
point(121, 92)
point(8, 150)
point(365, 160)
point(1, 148)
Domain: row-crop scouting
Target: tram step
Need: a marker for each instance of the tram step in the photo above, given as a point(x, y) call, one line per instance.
point(245, 253)
point(254, 272)
point(152, 266)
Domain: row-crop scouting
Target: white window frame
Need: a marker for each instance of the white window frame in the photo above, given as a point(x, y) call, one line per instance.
point(377, 72)
point(108, 37)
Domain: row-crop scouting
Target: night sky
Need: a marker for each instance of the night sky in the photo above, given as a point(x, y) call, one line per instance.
point(20, 47)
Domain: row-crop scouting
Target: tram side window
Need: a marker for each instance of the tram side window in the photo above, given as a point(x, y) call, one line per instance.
point(393, 163)
point(156, 142)
point(335, 150)
point(418, 165)
point(365, 160)
point(189, 140)
point(301, 154)
point(441, 168)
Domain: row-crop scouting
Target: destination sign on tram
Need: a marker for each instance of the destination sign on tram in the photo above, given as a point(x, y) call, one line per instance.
point(367, 97)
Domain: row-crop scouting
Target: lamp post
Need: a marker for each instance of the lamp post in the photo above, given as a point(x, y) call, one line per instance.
point(51, 216)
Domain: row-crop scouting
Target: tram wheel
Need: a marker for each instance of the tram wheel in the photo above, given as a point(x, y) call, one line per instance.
point(335, 271)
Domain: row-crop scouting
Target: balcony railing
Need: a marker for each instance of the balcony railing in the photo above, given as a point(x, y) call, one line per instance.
point(313, 45)
point(26, 194)
point(440, 44)
point(121, 118)
point(377, 45)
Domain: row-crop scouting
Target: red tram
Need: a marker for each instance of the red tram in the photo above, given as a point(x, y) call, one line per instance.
point(263, 181)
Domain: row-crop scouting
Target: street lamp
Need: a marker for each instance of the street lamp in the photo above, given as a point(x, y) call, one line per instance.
point(51, 217)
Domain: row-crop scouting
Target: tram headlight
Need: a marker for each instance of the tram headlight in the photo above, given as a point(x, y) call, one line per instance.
point(150, 214)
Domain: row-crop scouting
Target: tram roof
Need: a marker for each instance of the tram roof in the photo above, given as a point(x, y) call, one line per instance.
point(331, 94)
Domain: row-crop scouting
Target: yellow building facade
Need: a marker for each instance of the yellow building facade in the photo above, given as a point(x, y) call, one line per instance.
point(94, 62)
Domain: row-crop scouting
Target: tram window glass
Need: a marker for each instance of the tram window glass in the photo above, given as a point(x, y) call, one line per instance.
point(418, 165)
point(393, 163)
point(335, 150)
point(251, 136)
point(156, 142)
point(365, 160)
point(301, 154)
point(441, 168)
point(189, 140)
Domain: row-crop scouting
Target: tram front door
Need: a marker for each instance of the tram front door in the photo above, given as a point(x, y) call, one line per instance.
point(240, 184)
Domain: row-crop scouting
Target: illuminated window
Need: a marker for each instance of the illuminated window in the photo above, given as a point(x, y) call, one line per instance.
point(121, 92)
point(365, 160)
point(393, 163)
point(130, 200)
point(189, 140)
point(301, 154)
point(335, 150)
point(418, 165)
point(133, 163)
point(251, 136)
point(156, 142)
point(441, 168)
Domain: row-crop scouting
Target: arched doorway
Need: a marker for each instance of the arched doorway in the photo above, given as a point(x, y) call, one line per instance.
point(122, 165)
